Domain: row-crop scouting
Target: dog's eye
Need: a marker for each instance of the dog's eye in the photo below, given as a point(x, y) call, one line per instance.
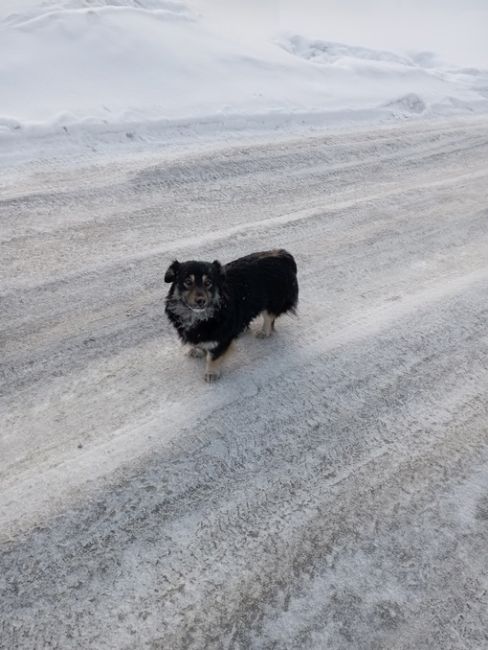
point(207, 284)
point(187, 282)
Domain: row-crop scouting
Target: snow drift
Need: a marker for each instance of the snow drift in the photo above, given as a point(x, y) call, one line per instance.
point(115, 61)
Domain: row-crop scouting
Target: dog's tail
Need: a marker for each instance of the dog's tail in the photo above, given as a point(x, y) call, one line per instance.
point(292, 299)
point(288, 257)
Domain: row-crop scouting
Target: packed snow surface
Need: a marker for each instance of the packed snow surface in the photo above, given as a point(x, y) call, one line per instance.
point(113, 61)
point(331, 491)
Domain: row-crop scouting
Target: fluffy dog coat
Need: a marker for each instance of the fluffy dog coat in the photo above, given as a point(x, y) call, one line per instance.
point(210, 304)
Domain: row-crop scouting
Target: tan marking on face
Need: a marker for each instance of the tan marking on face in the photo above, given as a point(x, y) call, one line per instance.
point(189, 279)
point(194, 292)
point(207, 284)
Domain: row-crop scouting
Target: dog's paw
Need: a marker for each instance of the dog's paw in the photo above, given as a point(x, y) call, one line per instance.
point(263, 334)
point(211, 376)
point(196, 353)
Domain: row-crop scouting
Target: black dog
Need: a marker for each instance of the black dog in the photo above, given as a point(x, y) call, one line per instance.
point(210, 304)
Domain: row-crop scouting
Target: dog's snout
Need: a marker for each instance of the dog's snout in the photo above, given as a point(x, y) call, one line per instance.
point(200, 301)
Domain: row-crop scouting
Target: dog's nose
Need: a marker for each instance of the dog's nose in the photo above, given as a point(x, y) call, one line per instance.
point(200, 302)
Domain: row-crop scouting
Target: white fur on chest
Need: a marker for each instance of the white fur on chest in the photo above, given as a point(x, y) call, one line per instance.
point(189, 317)
point(207, 345)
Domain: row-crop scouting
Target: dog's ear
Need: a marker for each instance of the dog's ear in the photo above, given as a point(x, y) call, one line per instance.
point(172, 272)
point(217, 268)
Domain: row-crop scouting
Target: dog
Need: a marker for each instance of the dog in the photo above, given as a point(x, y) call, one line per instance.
point(210, 304)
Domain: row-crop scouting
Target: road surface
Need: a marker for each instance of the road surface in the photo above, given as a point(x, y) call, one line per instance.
point(331, 490)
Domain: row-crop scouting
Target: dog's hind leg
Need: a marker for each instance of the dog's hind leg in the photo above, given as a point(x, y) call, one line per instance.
point(268, 325)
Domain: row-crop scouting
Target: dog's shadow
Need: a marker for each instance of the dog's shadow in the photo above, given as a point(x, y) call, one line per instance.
point(252, 361)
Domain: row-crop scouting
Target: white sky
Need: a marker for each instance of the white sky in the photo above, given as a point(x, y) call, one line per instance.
point(456, 30)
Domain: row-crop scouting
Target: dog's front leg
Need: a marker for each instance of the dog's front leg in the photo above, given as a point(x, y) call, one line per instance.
point(195, 352)
point(215, 358)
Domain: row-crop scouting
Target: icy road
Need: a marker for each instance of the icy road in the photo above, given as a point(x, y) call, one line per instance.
point(331, 491)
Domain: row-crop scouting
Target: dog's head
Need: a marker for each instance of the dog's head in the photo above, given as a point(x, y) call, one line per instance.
point(198, 285)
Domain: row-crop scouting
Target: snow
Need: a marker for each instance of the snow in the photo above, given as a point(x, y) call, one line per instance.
point(330, 489)
point(65, 62)
point(320, 493)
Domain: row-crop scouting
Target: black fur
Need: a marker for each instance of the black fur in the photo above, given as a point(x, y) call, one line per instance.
point(210, 304)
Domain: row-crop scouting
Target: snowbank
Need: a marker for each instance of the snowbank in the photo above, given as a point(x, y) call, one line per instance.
point(121, 61)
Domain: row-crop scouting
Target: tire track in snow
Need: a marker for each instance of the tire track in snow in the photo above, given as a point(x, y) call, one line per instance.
point(312, 497)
